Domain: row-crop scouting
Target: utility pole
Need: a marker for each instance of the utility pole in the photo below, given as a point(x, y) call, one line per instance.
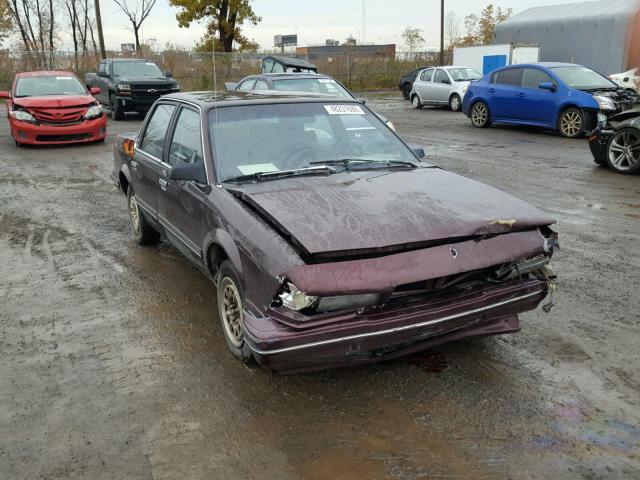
point(441, 32)
point(103, 52)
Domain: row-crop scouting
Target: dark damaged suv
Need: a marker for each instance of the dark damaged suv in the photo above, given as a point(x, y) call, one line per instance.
point(329, 242)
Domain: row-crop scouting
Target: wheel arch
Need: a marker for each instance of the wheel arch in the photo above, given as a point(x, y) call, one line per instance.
point(563, 108)
point(124, 178)
point(219, 246)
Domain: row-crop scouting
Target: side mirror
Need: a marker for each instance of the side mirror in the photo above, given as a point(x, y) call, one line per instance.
point(168, 73)
point(95, 90)
point(193, 172)
point(103, 74)
point(419, 152)
point(362, 100)
point(547, 86)
point(5, 94)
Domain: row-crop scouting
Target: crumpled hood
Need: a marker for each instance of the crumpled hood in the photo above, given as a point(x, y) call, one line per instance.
point(55, 101)
point(374, 211)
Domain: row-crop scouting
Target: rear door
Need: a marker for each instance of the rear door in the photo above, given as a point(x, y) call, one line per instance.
point(148, 163)
point(440, 87)
point(181, 202)
point(503, 94)
point(537, 105)
point(422, 84)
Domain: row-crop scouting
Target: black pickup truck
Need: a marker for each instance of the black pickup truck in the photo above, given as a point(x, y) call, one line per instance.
point(130, 85)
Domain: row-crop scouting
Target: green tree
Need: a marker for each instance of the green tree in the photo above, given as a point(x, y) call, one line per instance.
point(224, 18)
point(413, 38)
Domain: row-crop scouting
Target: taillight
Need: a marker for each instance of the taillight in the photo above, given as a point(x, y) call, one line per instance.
point(128, 147)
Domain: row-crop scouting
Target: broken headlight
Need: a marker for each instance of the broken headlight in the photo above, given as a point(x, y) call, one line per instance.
point(605, 103)
point(292, 298)
point(23, 116)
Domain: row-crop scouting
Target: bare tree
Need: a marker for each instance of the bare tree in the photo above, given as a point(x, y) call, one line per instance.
point(452, 28)
point(137, 11)
point(34, 22)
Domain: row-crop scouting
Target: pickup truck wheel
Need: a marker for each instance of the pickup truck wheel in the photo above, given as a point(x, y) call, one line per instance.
point(116, 108)
point(623, 151)
point(406, 91)
point(230, 311)
point(143, 232)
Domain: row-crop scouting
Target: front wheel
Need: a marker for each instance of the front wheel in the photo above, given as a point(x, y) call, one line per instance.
point(454, 103)
point(480, 115)
point(623, 151)
point(571, 123)
point(416, 102)
point(116, 109)
point(231, 313)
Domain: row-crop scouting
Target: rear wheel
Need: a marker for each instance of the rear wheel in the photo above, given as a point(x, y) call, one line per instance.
point(143, 232)
point(571, 123)
point(406, 91)
point(416, 102)
point(454, 103)
point(480, 115)
point(230, 311)
point(116, 109)
point(623, 151)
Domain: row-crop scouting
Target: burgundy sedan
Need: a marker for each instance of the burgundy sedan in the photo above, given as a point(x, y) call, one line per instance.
point(329, 241)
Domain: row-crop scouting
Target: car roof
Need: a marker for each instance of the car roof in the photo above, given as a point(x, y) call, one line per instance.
point(45, 73)
point(127, 60)
point(292, 75)
point(544, 65)
point(211, 99)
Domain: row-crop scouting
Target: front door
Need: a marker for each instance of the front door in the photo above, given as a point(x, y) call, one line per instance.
point(148, 162)
point(181, 202)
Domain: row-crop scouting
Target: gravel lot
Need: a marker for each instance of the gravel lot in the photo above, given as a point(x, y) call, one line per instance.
point(113, 365)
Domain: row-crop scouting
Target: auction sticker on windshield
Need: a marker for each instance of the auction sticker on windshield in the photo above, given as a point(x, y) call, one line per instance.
point(344, 110)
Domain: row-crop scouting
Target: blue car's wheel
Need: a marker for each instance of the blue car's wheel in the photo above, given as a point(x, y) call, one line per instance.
point(480, 115)
point(571, 123)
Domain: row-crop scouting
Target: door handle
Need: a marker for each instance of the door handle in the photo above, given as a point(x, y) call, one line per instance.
point(163, 184)
point(492, 90)
point(521, 94)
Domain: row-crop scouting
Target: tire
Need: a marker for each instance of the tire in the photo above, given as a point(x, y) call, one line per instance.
point(116, 110)
point(480, 117)
point(571, 123)
point(143, 232)
point(406, 91)
point(416, 102)
point(230, 311)
point(455, 104)
point(623, 151)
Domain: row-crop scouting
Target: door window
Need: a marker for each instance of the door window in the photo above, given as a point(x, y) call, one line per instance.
point(267, 65)
point(246, 85)
point(261, 85)
point(511, 76)
point(532, 77)
point(441, 77)
point(426, 75)
point(153, 138)
point(186, 144)
point(103, 67)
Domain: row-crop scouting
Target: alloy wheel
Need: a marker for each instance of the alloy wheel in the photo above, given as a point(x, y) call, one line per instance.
point(231, 312)
point(479, 115)
point(571, 123)
point(416, 102)
point(624, 151)
point(455, 103)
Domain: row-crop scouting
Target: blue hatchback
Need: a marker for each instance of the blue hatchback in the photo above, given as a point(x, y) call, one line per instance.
point(565, 97)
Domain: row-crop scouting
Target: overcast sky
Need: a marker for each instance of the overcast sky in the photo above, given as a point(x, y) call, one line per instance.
point(314, 20)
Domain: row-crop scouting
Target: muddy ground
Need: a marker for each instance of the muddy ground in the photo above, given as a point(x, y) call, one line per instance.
point(113, 365)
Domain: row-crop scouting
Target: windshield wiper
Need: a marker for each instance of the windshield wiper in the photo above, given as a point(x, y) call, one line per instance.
point(349, 163)
point(259, 176)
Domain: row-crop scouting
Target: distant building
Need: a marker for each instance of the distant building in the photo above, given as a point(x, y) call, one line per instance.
point(127, 48)
point(602, 35)
point(316, 52)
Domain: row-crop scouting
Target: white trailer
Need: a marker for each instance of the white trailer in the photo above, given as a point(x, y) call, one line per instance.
point(487, 58)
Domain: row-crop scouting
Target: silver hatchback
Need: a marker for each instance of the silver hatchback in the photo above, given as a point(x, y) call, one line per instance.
point(442, 86)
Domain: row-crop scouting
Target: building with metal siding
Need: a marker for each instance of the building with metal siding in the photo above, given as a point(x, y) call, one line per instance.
point(603, 35)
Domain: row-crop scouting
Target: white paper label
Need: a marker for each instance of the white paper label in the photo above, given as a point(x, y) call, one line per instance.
point(257, 168)
point(344, 109)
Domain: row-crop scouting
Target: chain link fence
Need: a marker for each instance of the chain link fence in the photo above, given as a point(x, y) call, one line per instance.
point(195, 70)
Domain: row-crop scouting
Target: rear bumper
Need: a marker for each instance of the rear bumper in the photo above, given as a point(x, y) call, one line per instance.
point(404, 327)
point(87, 131)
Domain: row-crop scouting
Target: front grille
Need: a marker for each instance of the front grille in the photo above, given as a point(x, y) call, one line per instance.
point(66, 117)
point(63, 138)
point(149, 91)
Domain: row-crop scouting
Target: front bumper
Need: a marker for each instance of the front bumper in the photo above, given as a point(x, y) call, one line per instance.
point(598, 143)
point(83, 132)
point(401, 327)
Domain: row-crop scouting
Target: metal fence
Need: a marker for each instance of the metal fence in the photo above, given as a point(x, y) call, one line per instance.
point(194, 70)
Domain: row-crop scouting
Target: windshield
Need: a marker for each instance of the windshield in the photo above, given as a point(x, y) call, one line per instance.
point(582, 78)
point(464, 74)
point(315, 85)
point(49, 85)
point(269, 138)
point(136, 69)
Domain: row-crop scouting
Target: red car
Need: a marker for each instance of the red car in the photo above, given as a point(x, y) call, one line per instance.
point(46, 108)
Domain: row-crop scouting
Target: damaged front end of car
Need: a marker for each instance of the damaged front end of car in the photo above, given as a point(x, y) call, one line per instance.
point(335, 313)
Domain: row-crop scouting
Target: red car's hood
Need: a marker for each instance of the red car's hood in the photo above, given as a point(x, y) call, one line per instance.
point(375, 211)
point(55, 101)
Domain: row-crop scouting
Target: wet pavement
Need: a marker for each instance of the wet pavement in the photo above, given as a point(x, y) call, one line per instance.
point(113, 364)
